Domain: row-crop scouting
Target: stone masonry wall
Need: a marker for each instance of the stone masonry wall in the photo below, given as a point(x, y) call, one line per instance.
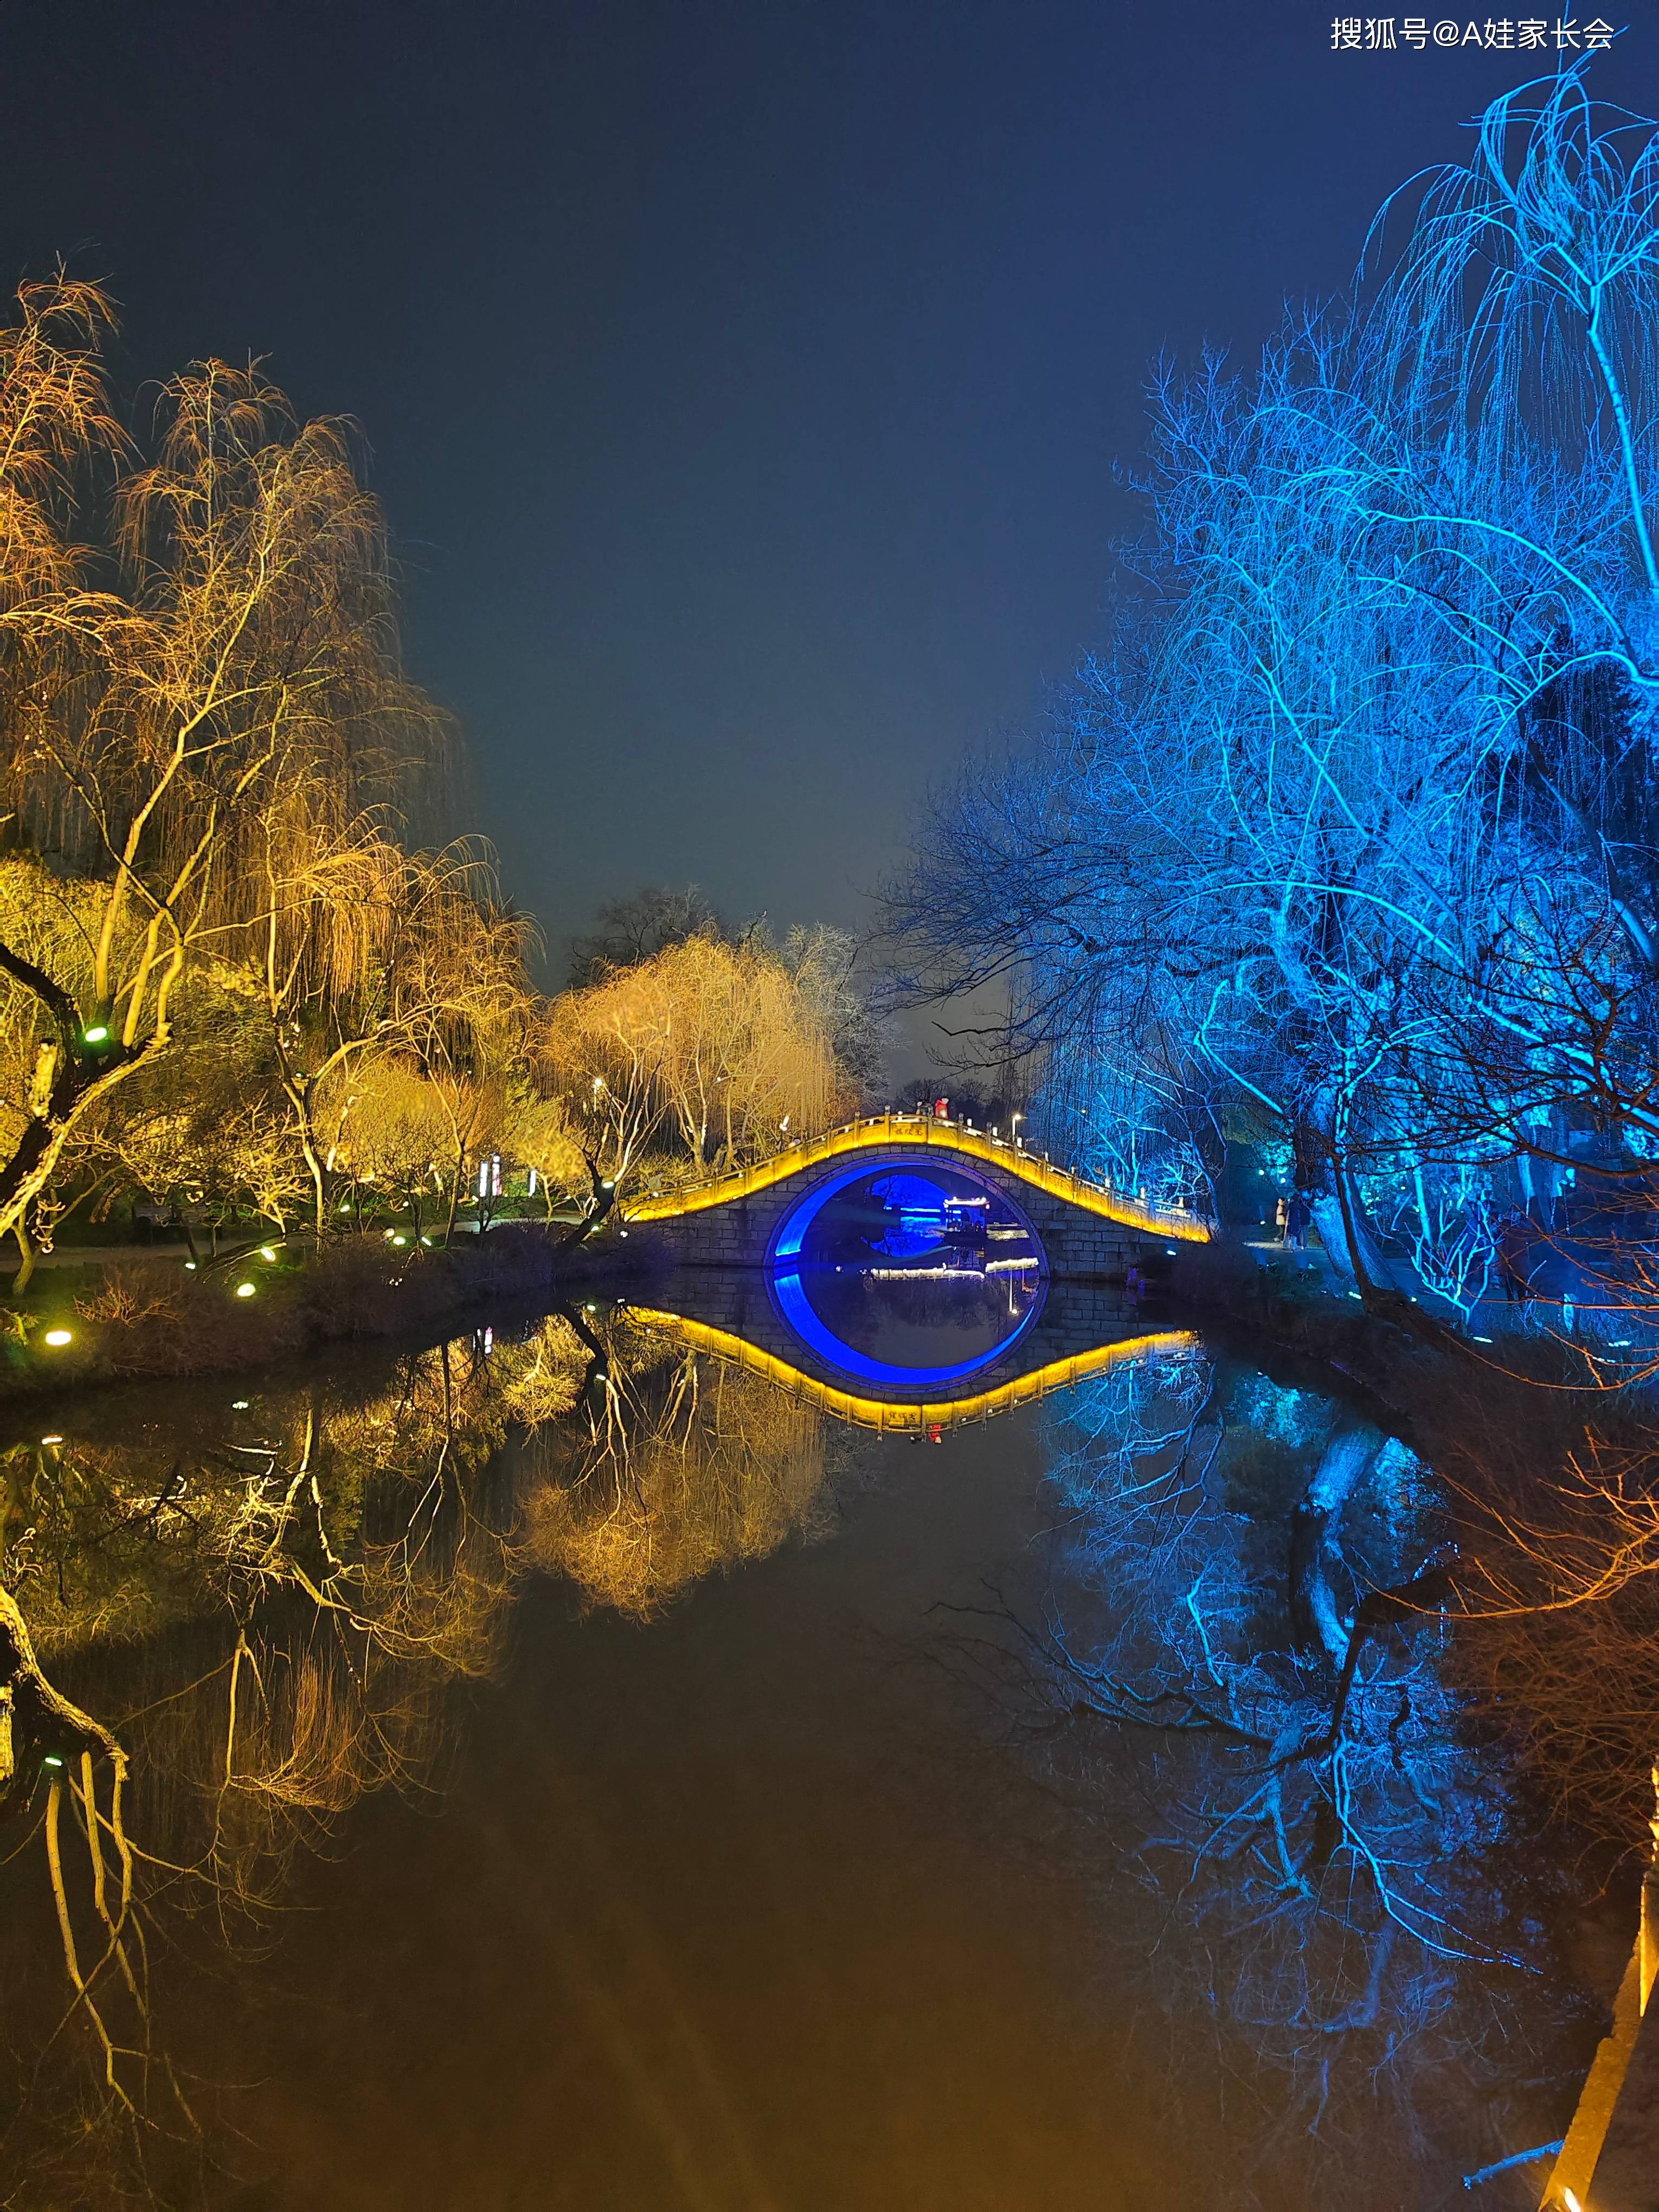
point(1076, 1241)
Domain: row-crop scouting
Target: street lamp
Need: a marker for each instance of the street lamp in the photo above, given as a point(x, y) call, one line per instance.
point(1013, 1129)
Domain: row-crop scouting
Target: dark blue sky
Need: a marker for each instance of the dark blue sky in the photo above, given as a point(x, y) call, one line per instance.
point(745, 381)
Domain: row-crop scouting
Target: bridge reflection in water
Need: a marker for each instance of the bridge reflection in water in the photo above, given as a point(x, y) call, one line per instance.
point(909, 1298)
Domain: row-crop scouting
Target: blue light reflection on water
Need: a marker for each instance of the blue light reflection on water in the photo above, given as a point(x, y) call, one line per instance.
point(790, 1293)
point(789, 1266)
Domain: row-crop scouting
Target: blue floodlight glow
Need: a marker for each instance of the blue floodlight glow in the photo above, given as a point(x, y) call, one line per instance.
point(791, 1235)
point(789, 1293)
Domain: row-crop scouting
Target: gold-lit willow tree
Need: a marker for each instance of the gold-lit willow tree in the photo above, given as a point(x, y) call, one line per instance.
point(717, 1046)
point(205, 737)
point(386, 973)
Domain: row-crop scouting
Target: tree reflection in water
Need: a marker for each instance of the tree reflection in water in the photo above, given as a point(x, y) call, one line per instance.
point(1243, 1678)
point(688, 1465)
point(221, 1625)
point(224, 1625)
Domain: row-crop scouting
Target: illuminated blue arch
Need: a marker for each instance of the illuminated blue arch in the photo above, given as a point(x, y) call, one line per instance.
point(910, 1196)
point(783, 1265)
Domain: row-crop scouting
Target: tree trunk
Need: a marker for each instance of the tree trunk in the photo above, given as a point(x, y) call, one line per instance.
point(299, 1095)
point(1317, 1620)
point(66, 1082)
point(183, 1220)
point(1205, 1135)
point(1339, 1213)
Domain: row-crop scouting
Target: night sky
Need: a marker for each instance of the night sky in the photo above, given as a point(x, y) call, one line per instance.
point(749, 385)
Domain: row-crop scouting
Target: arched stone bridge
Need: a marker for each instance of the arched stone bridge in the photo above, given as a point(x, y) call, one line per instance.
point(1085, 1228)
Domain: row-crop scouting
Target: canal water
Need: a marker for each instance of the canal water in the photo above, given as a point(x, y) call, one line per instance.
point(572, 1768)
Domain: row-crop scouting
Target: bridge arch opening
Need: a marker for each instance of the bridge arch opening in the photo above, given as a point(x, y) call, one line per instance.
point(880, 1264)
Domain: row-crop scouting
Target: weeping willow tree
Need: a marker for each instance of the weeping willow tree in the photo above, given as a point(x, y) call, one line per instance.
point(727, 1049)
point(1522, 324)
point(379, 965)
point(203, 728)
point(1349, 843)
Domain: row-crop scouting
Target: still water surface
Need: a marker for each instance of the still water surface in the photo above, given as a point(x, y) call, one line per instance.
point(606, 1781)
point(727, 1911)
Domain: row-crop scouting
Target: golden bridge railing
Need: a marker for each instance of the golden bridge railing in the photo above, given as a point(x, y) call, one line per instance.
point(920, 1130)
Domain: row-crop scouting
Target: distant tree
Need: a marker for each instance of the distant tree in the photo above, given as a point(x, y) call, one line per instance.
point(600, 1052)
point(543, 1134)
point(388, 1127)
point(410, 955)
point(750, 1060)
point(716, 1042)
point(824, 963)
point(634, 929)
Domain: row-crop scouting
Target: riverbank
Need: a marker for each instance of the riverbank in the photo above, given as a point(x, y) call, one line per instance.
point(143, 1315)
point(1419, 1379)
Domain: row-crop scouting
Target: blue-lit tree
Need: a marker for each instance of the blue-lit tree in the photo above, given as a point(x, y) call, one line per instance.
point(1351, 839)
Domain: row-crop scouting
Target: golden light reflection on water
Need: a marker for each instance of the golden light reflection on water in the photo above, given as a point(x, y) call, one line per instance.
point(256, 1610)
